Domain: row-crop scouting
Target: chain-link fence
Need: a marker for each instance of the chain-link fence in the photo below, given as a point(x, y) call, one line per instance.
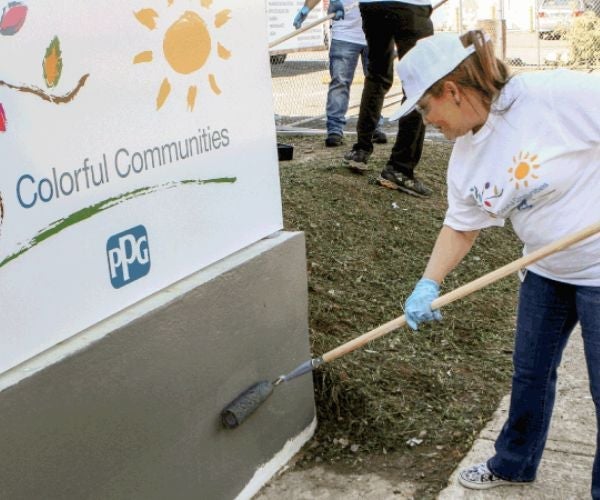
point(528, 35)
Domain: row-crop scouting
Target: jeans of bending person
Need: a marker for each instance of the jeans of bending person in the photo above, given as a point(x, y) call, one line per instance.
point(343, 60)
point(548, 312)
point(391, 28)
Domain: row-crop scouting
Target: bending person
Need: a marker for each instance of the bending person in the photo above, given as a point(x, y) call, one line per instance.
point(527, 149)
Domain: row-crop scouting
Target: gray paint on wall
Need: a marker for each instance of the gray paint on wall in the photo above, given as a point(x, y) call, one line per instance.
point(136, 414)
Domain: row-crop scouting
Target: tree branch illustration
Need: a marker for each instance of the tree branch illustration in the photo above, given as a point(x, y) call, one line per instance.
point(48, 97)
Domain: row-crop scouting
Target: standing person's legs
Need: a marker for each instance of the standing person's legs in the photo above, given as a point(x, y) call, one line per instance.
point(413, 24)
point(343, 58)
point(546, 317)
point(377, 26)
point(408, 147)
point(379, 136)
point(588, 308)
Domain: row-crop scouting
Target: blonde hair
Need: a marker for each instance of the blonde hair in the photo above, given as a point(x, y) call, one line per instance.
point(481, 71)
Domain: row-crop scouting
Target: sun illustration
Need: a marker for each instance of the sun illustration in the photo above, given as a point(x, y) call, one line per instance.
point(523, 168)
point(187, 46)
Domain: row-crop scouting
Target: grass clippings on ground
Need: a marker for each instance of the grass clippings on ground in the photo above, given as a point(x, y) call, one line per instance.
point(409, 403)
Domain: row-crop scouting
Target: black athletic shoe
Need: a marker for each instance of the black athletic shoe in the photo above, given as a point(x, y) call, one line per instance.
point(334, 140)
point(357, 160)
point(379, 137)
point(395, 180)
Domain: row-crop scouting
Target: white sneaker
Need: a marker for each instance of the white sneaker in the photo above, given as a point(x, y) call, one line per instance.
point(479, 477)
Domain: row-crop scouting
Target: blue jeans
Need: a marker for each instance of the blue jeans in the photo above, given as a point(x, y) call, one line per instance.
point(548, 312)
point(343, 59)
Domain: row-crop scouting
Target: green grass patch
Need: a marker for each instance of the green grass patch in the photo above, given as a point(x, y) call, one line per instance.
point(366, 248)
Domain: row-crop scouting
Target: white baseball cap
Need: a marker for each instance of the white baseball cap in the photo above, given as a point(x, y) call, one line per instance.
point(430, 60)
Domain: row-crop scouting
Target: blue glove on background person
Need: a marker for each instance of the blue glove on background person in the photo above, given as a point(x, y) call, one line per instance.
point(418, 305)
point(336, 7)
point(301, 17)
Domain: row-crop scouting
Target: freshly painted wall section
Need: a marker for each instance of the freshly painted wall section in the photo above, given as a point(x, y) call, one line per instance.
point(129, 409)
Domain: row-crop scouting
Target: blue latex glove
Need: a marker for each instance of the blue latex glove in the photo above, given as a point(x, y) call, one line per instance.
point(301, 16)
point(418, 306)
point(336, 7)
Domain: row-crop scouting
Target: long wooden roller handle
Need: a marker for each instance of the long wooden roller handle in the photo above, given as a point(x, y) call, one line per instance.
point(322, 20)
point(308, 26)
point(465, 290)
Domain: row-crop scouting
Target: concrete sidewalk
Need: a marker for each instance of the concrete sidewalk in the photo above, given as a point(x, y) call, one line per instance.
point(564, 474)
point(566, 468)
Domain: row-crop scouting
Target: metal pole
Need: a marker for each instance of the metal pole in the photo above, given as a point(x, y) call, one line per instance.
point(502, 28)
point(537, 35)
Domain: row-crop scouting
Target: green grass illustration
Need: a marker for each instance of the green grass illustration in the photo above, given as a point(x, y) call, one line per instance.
point(88, 212)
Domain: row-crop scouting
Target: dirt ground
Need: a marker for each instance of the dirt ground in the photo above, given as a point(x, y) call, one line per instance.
point(406, 407)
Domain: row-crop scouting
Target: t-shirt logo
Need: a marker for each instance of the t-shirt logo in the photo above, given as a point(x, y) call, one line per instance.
point(485, 197)
point(517, 191)
point(523, 169)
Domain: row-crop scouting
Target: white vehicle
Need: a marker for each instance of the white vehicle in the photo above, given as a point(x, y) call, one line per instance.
point(280, 14)
point(555, 16)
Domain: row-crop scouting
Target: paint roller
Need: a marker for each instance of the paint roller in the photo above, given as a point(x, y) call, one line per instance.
point(248, 401)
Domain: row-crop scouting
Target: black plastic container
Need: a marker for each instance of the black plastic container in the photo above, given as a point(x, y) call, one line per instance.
point(285, 152)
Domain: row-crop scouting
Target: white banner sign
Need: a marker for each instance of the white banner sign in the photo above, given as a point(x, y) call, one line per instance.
point(281, 15)
point(137, 146)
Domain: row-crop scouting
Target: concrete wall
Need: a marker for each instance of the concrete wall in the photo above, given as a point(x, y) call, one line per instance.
point(130, 409)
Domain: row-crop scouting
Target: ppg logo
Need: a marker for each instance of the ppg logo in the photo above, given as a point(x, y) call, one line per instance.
point(128, 256)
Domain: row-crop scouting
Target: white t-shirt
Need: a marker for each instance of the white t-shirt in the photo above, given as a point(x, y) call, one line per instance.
point(349, 29)
point(537, 163)
point(412, 2)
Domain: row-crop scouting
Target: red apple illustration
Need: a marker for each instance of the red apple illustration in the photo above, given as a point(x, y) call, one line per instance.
point(13, 17)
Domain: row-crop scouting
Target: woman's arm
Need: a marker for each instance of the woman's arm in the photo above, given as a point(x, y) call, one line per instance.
point(449, 250)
